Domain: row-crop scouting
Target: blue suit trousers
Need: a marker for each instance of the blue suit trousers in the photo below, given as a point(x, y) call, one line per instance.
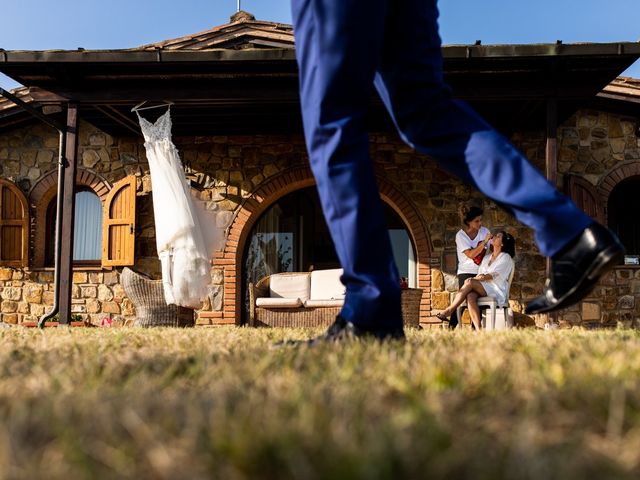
point(346, 47)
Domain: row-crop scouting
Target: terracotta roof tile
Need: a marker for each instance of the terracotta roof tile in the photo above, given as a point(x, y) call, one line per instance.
point(244, 31)
point(624, 87)
point(21, 92)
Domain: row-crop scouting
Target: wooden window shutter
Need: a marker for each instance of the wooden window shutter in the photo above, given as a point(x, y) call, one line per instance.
point(585, 196)
point(14, 226)
point(119, 224)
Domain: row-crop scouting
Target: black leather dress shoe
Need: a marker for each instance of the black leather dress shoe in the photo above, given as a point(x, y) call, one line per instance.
point(576, 269)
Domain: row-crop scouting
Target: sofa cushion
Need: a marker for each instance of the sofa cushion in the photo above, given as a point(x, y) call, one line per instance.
point(289, 285)
point(267, 302)
point(326, 285)
point(323, 303)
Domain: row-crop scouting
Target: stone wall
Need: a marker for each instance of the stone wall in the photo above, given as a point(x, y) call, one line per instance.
point(27, 295)
point(28, 154)
point(229, 169)
point(597, 146)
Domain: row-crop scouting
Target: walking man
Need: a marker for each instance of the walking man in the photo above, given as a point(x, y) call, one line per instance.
point(343, 48)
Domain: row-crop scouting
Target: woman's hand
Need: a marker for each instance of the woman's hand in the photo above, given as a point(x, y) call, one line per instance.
point(482, 245)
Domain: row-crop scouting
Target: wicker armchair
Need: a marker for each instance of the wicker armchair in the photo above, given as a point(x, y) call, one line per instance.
point(148, 298)
point(317, 316)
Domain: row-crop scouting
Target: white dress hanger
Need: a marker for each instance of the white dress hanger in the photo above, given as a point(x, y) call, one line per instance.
point(140, 107)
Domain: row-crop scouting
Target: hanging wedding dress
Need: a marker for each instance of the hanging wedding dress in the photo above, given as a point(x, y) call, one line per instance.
point(185, 234)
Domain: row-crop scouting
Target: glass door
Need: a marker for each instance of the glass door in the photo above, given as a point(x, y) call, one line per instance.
point(292, 236)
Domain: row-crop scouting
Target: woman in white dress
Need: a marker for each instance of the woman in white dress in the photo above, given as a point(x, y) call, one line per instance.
point(492, 279)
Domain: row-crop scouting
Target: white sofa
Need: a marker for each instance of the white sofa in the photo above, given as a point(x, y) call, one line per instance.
point(303, 299)
point(297, 299)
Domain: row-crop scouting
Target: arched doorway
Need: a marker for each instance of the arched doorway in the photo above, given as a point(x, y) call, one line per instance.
point(623, 213)
point(292, 236)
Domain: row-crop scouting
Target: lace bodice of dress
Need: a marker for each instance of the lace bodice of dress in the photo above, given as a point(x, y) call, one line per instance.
point(159, 130)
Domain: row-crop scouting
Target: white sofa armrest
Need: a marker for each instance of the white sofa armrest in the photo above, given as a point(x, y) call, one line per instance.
point(268, 302)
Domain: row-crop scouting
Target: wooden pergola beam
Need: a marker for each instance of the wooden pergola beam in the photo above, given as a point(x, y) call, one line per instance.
point(68, 212)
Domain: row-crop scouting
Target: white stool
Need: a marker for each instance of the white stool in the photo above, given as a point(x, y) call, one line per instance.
point(499, 317)
point(506, 320)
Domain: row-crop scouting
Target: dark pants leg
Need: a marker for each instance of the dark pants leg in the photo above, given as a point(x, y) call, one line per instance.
point(338, 44)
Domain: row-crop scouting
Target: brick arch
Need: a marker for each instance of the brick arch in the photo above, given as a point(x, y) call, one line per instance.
point(613, 178)
point(269, 192)
point(83, 177)
point(43, 192)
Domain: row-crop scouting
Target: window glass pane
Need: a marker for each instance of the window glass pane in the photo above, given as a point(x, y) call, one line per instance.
point(400, 247)
point(403, 254)
point(87, 233)
point(50, 239)
point(271, 249)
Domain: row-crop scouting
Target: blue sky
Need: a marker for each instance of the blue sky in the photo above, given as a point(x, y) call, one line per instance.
point(99, 24)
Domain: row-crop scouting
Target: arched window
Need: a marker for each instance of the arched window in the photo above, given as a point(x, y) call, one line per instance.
point(292, 236)
point(87, 230)
point(104, 221)
point(402, 246)
point(623, 211)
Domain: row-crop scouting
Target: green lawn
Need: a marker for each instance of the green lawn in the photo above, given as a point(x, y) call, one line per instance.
point(222, 403)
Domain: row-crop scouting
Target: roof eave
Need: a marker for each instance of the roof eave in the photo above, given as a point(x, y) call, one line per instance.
point(629, 49)
point(143, 56)
point(541, 50)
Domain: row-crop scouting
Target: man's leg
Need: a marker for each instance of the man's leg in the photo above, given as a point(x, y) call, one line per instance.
point(410, 83)
point(338, 47)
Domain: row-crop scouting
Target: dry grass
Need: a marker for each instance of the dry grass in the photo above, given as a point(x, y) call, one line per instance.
point(221, 403)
